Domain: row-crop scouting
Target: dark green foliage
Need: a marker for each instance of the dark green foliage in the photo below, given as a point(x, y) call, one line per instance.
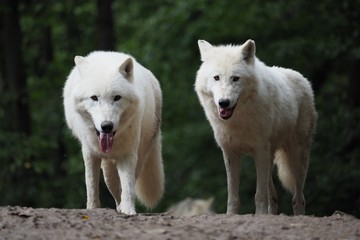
point(319, 39)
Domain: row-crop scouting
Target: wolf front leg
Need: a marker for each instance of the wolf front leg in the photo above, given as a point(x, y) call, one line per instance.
point(232, 165)
point(126, 169)
point(92, 173)
point(112, 180)
point(263, 169)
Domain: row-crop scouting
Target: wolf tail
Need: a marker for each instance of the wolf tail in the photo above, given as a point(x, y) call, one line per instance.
point(150, 182)
point(284, 170)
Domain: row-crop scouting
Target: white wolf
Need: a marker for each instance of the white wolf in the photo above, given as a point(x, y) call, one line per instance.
point(266, 112)
point(191, 207)
point(113, 106)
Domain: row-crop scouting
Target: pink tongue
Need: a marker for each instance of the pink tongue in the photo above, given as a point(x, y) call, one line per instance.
point(106, 141)
point(225, 112)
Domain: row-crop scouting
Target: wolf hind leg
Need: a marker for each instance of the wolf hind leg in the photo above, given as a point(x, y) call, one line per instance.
point(292, 165)
point(300, 169)
point(273, 202)
point(112, 179)
point(150, 181)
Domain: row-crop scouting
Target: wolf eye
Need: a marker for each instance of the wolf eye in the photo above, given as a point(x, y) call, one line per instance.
point(217, 78)
point(235, 79)
point(94, 98)
point(117, 98)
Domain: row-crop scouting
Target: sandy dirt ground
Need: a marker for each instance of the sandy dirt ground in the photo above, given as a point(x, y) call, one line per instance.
point(29, 223)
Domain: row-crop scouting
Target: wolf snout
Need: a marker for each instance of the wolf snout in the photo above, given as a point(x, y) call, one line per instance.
point(225, 111)
point(224, 102)
point(107, 126)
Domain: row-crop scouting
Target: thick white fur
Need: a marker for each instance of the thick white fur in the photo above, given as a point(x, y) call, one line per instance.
point(135, 160)
point(273, 120)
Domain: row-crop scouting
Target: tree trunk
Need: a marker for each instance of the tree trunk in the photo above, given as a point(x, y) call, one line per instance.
point(105, 25)
point(354, 84)
point(15, 88)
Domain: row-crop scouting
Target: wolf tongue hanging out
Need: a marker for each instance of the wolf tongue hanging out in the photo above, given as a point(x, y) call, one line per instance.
point(106, 135)
point(106, 141)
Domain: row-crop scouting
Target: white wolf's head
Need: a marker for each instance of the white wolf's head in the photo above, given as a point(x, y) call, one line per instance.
point(104, 95)
point(226, 75)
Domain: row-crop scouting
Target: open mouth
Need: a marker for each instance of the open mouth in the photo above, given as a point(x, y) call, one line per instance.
point(105, 140)
point(226, 113)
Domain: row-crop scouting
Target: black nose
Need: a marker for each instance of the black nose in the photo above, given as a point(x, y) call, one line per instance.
point(224, 103)
point(107, 126)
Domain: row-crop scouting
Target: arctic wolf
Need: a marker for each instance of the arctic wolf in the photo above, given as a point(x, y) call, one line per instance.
point(266, 112)
point(192, 207)
point(113, 107)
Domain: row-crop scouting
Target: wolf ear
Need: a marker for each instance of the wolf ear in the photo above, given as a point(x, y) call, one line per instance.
point(248, 51)
point(79, 60)
point(204, 47)
point(127, 68)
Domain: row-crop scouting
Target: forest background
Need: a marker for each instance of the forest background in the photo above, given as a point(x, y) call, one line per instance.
point(40, 162)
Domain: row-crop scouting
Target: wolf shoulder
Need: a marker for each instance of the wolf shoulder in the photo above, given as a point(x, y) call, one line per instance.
point(291, 79)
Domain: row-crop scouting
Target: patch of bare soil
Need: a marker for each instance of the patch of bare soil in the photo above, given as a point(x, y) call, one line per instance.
point(29, 223)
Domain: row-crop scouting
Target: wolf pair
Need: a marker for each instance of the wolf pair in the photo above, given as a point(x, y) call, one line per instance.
point(113, 107)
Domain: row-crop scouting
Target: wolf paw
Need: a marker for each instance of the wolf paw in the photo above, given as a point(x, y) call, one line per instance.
point(126, 209)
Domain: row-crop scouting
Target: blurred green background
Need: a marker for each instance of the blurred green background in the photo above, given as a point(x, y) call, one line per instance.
point(40, 162)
